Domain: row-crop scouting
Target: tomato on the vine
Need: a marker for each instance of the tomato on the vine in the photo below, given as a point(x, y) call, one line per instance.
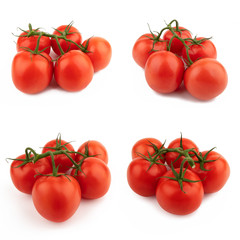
point(94, 178)
point(145, 46)
point(31, 73)
point(56, 198)
point(177, 45)
point(31, 42)
point(70, 33)
point(205, 79)
point(61, 160)
point(164, 72)
point(143, 176)
point(73, 71)
point(25, 176)
point(99, 51)
point(215, 173)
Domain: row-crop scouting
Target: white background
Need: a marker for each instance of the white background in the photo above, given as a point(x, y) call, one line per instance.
point(118, 108)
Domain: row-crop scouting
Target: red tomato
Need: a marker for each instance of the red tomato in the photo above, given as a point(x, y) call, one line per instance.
point(142, 178)
point(25, 176)
point(164, 72)
point(204, 50)
point(92, 148)
point(218, 175)
point(31, 73)
point(73, 71)
point(205, 79)
point(60, 160)
point(172, 199)
point(94, 178)
point(100, 52)
point(71, 33)
point(56, 198)
point(145, 147)
point(143, 48)
point(172, 156)
point(31, 42)
point(177, 45)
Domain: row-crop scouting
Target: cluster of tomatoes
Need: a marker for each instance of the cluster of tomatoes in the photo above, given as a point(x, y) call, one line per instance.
point(178, 175)
point(59, 177)
point(176, 57)
point(76, 62)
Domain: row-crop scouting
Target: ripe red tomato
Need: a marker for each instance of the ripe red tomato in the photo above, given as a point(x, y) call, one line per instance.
point(56, 198)
point(205, 79)
point(73, 71)
point(31, 73)
point(100, 52)
point(197, 51)
point(92, 148)
point(177, 45)
point(25, 176)
point(142, 178)
point(71, 33)
point(145, 147)
point(31, 42)
point(218, 175)
point(172, 157)
point(94, 178)
point(172, 199)
point(143, 47)
point(60, 160)
point(164, 72)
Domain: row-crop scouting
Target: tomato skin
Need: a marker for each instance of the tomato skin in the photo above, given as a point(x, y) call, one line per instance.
point(143, 146)
point(100, 52)
point(73, 71)
point(142, 49)
point(66, 46)
point(173, 200)
point(60, 160)
point(206, 50)
point(94, 179)
point(164, 72)
point(172, 156)
point(94, 148)
point(31, 42)
point(218, 175)
point(205, 79)
point(25, 176)
point(177, 45)
point(143, 180)
point(31, 73)
point(56, 198)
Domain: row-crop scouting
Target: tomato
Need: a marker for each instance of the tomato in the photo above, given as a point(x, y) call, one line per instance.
point(31, 73)
point(71, 33)
point(143, 178)
point(94, 178)
point(205, 49)
point(218, 172)
point(73, 71)
point(164, 72)
point(25, 176)
point(172, 157)
point(177, 45)
point(172, 199)
point(56, 198)
point(31, 42)
point(100, 52)
point(143, 48)
point(205, 79)
point(92, 148)
point(146, 147)
point(61, 160)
